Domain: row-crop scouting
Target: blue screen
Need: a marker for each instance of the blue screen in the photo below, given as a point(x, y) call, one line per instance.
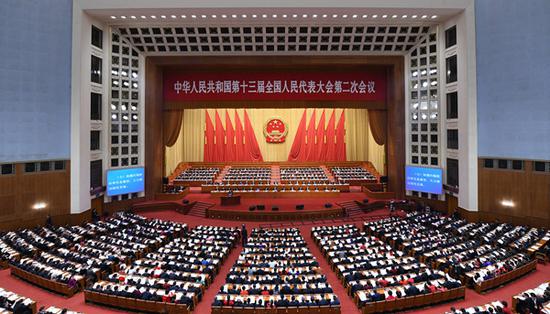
point(423, 179)
point(124, 181)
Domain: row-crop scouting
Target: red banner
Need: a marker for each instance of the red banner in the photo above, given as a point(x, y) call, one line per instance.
point(336, 86)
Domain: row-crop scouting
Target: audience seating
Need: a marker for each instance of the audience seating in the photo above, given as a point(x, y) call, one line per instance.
point(533, 300)
point(352, 174)
point(171, 278)
point(11, 302)
point(492, 307)
point(379, 277)
point(248, 174)
point(56, 310)
point(276, 270)
point(303, 174)
point(197, 174)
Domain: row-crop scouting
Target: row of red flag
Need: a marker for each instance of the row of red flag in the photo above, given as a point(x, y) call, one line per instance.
point(311, 143)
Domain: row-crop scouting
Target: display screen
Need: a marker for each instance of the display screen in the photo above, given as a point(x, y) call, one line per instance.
point(124, 181)
point(422, 179)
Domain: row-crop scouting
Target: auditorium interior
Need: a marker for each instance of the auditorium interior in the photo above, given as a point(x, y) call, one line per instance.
point(274, 157)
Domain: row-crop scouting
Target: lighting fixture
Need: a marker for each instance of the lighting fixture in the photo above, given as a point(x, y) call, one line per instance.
point(113, 17)
point(39, 205)
point(507, 203)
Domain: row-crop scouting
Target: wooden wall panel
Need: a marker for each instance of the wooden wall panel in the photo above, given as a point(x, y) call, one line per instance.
point(529, 190)
point(395, 150)
point(19, 192)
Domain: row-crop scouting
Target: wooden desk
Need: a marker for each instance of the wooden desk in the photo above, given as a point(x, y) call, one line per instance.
point(134, 304)
point(287, 194)
point(230, 200)
point(51, 285)
point(207, 188)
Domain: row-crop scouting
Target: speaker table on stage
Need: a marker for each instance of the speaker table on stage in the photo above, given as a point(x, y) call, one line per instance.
point(230, 200)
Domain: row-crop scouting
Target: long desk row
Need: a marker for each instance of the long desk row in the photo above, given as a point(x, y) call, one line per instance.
point(506, 277)
point(134, 304)
point(207, 188)
point(51, 285)
point(234, 215)
point(287, 194)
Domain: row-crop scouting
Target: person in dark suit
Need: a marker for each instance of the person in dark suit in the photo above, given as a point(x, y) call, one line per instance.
point(412, 290)
point(244, 235)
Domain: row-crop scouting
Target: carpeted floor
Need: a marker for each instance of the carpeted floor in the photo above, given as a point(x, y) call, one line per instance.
point(77, 303)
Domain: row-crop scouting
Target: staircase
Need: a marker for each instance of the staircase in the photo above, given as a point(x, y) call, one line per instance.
point(328, 173)
point(199, 209)
point(275, 174)
point(222, 174)
point(351, 208)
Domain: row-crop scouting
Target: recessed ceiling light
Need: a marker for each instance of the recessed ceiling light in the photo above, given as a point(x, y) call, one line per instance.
point(314, 16)
point(394, 16)
point(345, 16)
point(424, 16)
point(304, 16)
point(334, 16)
point(414, 16)
point(243, 16)
point(234, 16)
point(285, 16)
point(113, 17)
point(203, 16)
point(365, 16)
point(354, 16)
point(143, 17)
point(193, 16)
point(274, 16)
point(434, 16)
point(153, 16)
point(163, 16)
point(184, 16)
point(375, 16)
point(133, 17)
point(264, 16)
point(254, 16)
point(123, 17)
point(325, 16)
point(224, 16)
point(404, 16)
point(173, 16)
point(294, 15)
point(214, 16)
point(385, 16)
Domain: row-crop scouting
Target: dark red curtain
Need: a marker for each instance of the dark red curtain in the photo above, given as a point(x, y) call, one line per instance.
point(230, 139)
point(377, 122)
point(172, 126)
point(239, 139)
point(253, 149)
point(220, 140)
point(298, 146)
point(330, 138)
point(340, 138)
point(209, 148)
point(320, 138)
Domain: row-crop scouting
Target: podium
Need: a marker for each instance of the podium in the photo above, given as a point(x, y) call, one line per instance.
point(230, 200)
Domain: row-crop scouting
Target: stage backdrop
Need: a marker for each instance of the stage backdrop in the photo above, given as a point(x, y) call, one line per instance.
point(359, 141)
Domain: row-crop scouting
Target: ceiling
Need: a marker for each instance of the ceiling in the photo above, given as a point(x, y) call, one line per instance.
point(180, 28)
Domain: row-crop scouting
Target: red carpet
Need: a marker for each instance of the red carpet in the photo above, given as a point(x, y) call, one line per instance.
point(77, 303)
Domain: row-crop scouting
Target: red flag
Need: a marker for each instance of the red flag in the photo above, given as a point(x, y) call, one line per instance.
point(220, 140)
point(252, 148)
point(299, 140)
point(208, 140)
point(340, 139)
point(230, 139)
point(239, 139)
point(331, 141)
point(311, 153)
point(320, 138)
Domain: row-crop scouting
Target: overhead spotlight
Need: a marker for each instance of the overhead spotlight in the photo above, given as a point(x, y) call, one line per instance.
point(224, 16)
point(163, 16)
point(345, 16)
point(394, 16)
point(214, 16)
point(414, 16)
point(314, 16)
point(173, 16)
point(424, 16)
point(375, 16)
point(294, 15)
point(264, 16)
point(254, 16)
point(385, 16)
point(507, 203)
point(113, 17)
point(153, 16)
point(404, 16)
point(143, 17)
point(334, 16)
point(325, 16)
point(434, 16)
point(39, 205)
point(193, 16)
point(123, 17)
point(203, 16)
point(133, 17)
point(365, 16)
point(304, 16)
point(234, 16)
point(285, 16)
point(243, 16)
point(274, 16)
point(354, 16)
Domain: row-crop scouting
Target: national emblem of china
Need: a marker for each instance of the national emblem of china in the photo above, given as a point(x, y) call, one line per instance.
point(275, 130)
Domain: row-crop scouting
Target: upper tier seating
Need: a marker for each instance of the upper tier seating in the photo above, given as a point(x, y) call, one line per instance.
point(198, 174)
point(536, 300)
point(345, 174)
point(303, 174)
point(250, 174)
point(275, 270)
